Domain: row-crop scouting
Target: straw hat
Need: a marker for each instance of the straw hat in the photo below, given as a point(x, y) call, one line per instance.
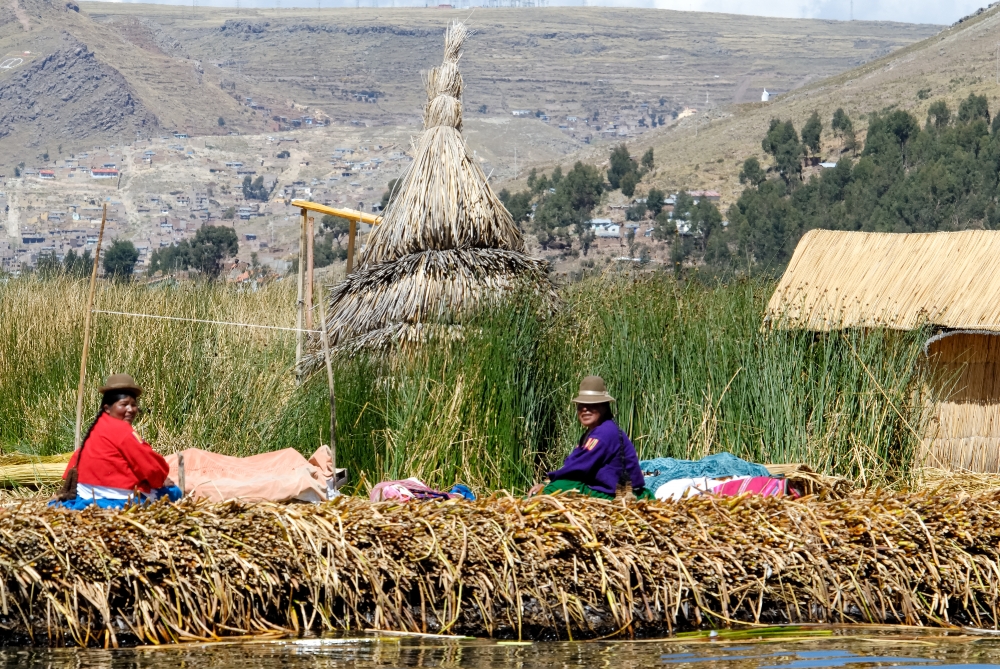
point(593, 391)
point(121, 382)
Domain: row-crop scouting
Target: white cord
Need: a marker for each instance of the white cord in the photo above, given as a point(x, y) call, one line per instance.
point(199, 320)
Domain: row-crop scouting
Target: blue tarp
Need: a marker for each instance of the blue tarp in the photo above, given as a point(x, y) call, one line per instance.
point(173, 493)
point(660, 470)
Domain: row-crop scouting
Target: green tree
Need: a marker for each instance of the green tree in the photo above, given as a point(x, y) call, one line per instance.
point(556, 177)
point(560, 214)
point(120, 260)
point(974, 107)
point(222, 121)
point(77, 265)
point(655, 200)
point(628, 183)
point(205, 253)
point(647, 160)
point(229, 214)
point(326, 251)
point(391, 189)
point(752, 173)
point(938, 115)
point(782, 142)
point(636, 212)
point(812, 133)
point(212, 244)
point(518, 204)
point(254, 189)
point(335, 225)
point(841, 124)
point(621, 164)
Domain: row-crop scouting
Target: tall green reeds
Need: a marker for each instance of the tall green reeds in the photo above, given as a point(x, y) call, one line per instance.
point(693, 369)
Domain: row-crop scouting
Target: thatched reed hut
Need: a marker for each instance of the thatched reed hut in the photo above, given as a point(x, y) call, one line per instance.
point(949, 281)
point(446, 244)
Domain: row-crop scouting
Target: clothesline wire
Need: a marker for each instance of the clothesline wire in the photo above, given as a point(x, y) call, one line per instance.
point(201, 320)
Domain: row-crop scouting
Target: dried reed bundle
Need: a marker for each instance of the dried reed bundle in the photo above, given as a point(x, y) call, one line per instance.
point(548, 566)
point(17, 469)
point(446, 244)
point(431, 286)
point(444, 203)
point(952, 482)
point(840, 279)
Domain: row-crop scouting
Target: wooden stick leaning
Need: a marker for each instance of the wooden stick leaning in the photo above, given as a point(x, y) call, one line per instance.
point(300, 303)
point(86, 333)
point(310, 233)
point(324, 335)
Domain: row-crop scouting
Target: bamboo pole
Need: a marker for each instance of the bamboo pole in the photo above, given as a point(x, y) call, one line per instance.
point(310, 232)
point(86, 333)
point(352, 230)
point(300, 300)
point(329, 379)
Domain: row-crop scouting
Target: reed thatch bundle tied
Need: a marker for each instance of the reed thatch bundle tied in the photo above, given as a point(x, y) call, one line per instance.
point(430, 287)
point(444, 203)
point(548, 566)
point(445, 244)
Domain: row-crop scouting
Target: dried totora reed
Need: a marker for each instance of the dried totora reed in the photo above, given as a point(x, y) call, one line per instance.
point(545, 567)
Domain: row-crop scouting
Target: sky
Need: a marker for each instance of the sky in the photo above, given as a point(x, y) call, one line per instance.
point(908, 11)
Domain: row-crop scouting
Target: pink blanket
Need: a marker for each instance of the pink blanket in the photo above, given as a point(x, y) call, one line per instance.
point(280, 476)
point(759, 485)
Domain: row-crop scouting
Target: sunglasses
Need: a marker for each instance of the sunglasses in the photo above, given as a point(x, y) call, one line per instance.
point(587, 408)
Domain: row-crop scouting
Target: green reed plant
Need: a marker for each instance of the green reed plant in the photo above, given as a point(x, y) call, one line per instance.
point(694, 369)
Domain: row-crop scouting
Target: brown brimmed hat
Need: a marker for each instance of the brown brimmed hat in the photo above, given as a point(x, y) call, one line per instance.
point(123, 382)
point(593, 391)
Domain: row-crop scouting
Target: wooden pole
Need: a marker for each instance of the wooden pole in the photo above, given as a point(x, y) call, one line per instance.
point(329, 379)
point(301, 298)
point(310, 222)
point(180, 472)
point(352, 230)
point(86, 333)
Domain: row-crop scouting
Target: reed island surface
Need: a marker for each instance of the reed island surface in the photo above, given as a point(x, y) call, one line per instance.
point(549, 567)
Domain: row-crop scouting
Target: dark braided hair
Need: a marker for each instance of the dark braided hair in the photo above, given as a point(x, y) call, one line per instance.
point(107, 399)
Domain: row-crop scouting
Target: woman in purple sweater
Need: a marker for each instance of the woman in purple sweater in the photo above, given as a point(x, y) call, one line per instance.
point(596, 465)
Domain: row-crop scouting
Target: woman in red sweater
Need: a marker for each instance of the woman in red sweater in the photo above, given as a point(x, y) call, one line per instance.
point(113, 464)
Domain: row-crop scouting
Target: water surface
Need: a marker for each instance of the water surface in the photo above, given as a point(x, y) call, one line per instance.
point(853, 650)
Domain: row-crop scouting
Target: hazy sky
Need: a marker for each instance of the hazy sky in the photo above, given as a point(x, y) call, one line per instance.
point(909, 11)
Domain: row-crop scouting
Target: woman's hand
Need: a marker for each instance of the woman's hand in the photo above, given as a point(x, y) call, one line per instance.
point(536, 489)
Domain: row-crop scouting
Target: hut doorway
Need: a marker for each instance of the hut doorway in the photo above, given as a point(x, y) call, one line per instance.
point(964, 431)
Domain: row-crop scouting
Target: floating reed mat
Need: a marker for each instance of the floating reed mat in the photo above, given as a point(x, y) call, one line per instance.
point(548, 567)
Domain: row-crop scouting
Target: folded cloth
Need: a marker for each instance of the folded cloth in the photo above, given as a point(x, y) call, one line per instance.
point(81, 502)
point(405, 490)
point(278, 476)
point(754, 485)
point(565, 485)
point(718, 466)
point(679, 489)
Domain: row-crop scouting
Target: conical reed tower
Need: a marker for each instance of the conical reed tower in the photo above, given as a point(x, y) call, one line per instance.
point(446, 244)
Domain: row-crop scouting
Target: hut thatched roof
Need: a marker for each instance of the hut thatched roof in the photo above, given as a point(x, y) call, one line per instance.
point(867, 279)
point(446, 244)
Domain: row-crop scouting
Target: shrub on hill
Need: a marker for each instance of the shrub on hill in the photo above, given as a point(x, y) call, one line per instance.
point(944, 176)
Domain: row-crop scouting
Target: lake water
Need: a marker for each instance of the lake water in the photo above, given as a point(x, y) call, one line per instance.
point(854, 650)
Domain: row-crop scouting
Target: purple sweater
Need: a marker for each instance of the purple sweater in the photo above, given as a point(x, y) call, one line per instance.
point(596, 461)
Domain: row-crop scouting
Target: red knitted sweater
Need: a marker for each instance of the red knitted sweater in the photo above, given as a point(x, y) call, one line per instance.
point(114, 455)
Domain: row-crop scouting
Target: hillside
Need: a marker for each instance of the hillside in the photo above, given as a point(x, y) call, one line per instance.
point(706, 151)
point(160, 68)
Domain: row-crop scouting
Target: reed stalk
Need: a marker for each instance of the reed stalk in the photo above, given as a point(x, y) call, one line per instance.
point(692, 367)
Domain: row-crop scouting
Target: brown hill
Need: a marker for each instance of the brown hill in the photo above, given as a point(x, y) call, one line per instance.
point(707, 150)
point(166, 68)
point(71, 95)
